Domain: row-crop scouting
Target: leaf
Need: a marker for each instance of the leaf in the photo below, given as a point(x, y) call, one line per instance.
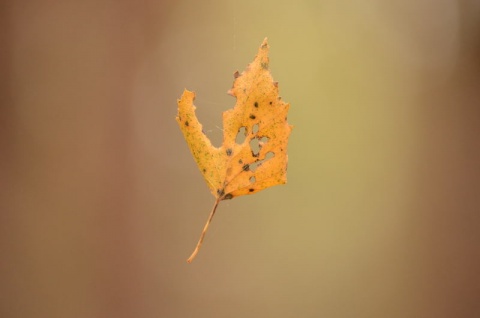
point(260, 117)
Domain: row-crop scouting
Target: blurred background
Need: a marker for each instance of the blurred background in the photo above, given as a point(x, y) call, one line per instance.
point(102, 203)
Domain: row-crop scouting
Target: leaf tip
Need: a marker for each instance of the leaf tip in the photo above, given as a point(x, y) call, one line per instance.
point(265, 43)
point(186, 99)
point(187, 94)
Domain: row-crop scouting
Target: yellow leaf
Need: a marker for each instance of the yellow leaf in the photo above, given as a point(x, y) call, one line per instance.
point(260, 160)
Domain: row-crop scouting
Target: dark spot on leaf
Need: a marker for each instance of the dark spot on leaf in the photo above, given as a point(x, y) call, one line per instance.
point(229, 152)
point(255, 154)
point(204, 170)
point(240, 161)
point(236, 74)
point(246, 167)
point(252, 116)
point(256, 105)
point(220, 192)
point(264, 65)
point(271, 103)
point(251, 190)
point(186, 123)
point(228, 197)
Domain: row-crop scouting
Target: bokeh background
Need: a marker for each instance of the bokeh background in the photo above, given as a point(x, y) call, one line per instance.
point(101, 201)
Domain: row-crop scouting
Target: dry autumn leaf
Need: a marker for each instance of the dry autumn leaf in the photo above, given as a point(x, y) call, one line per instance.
point(260, 118)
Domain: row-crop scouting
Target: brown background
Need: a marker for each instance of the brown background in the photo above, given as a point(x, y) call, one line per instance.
point(101, 201)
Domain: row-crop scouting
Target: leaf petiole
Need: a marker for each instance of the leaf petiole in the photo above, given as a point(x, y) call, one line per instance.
point(202, 236)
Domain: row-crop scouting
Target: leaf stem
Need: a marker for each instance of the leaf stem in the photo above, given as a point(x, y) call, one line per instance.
point(202, 236)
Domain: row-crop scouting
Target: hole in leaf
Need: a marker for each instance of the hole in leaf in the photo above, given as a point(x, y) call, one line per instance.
point(241, 135)
point(258, 163)
point(255, 146)
point(255, 128)
point(255, 165)
point(252, 179)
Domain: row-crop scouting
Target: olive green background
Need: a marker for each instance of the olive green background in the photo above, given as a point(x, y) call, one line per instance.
point(101, 201)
